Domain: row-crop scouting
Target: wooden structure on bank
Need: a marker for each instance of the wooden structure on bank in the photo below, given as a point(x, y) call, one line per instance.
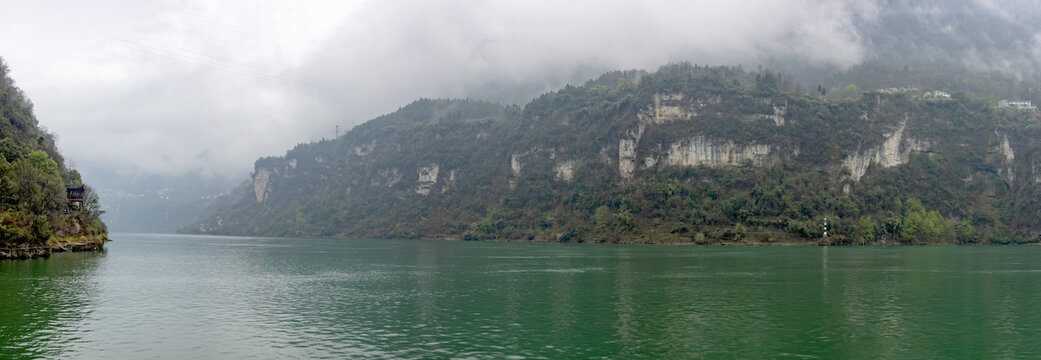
point(74, 194)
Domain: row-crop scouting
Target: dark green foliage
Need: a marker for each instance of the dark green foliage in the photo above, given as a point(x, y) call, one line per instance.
point(550, 171)
point(33, 176)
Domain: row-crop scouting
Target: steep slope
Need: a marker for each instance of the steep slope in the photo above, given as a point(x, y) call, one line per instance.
point(154, 203)
point(34, 209)
point(685, 154)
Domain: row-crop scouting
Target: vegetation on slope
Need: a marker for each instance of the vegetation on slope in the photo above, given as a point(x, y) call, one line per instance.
point(33, 176)
point(550, 171)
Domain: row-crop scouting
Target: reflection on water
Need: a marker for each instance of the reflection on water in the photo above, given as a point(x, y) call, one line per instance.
point(218, 297)
point(43, 303)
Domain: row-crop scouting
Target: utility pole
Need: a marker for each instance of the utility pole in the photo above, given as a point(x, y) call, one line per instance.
point(337, 132)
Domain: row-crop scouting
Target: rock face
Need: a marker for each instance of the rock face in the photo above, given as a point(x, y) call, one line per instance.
point(386, 178)
point(666, 108)
point(702, 151)
point(515, 164)
point(547, 169)
point(93, 243)
point(365, 149)
point(895, 150)
point(26, 253)
point(565, 171)
point(1007, 158)
point(696, 151)
point(779, 113)
point(450, 183)
point(678, 107)
point(260, 182)
point(777, 117)
point(626, 157)
point(427, 178)
point(627, 150)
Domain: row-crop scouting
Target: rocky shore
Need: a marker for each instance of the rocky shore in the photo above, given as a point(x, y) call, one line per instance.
point(30, 252)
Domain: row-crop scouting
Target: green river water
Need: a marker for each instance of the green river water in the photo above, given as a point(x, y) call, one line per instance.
point(185, 297)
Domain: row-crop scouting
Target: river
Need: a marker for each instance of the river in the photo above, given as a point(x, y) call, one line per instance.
point(175, 297)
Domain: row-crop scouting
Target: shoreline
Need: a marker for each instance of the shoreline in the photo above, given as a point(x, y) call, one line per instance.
point(817, 243)
point(786, 242)
point(94, 244)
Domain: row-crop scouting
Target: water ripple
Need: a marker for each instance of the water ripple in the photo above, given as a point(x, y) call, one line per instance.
point(220, 297)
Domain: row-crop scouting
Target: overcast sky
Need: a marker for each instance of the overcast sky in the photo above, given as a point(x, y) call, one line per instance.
point(169, 87)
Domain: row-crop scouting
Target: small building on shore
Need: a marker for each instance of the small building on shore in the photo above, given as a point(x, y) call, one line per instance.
point(74, 195)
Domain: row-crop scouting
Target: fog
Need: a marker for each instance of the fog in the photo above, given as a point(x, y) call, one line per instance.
point(138, 89)
point(172, 87)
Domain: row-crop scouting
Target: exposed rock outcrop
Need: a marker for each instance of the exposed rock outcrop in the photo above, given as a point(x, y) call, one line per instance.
point(450, 182)
point(84, 243)
point(626, 157)
point(895, 150)
point(515, 163)
point(666, 108)
point(427, 178)
point(565, 171)
point(386, 178)
point(702, 151)
point(365, 149)
point(260, 182)
point(627, 150)
point(1007, 159)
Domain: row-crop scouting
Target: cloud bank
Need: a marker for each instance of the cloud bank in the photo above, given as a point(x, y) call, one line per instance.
point(176, 87)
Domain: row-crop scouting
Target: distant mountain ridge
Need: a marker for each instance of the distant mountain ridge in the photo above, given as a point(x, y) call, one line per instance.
point(684, 154)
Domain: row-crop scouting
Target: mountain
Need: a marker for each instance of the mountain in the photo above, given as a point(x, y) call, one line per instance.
point(34, 208)
point(683, 154)
point(157, 203)
point(974, 35)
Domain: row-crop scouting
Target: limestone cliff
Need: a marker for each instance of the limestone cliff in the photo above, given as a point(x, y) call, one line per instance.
point(565, 171)
point(260, 181)
point(895, 150)
point(701, 151)
point(626, 157)
point(1006, 158)
point(427, 178)
point(691, 155)
point(666, 108)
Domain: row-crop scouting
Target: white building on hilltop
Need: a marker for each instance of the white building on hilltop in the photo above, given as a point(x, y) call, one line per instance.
point(1018, 105)
point(938, 94)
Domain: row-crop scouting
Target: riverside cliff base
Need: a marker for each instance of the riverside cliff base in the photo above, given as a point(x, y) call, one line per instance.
point(78, 243)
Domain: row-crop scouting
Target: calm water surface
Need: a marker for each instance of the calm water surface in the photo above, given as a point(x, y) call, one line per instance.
point(170, 296)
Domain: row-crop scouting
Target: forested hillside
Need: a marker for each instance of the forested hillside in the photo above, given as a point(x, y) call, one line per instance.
point(34, 209)
point(685, 154)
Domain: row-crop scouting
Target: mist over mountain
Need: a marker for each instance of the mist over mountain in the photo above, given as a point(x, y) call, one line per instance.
point(684, 154)
point(975, 35)
point(261, 77)
point(159, 204)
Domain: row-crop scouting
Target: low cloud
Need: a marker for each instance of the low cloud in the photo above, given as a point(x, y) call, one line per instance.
point(199, 86)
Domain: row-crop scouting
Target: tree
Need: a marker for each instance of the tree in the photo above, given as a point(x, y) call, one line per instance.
point(40, 160)
point(868, 229)
point(966, 233)
point(92, 202)
point(37, 188)
point(766, 84)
